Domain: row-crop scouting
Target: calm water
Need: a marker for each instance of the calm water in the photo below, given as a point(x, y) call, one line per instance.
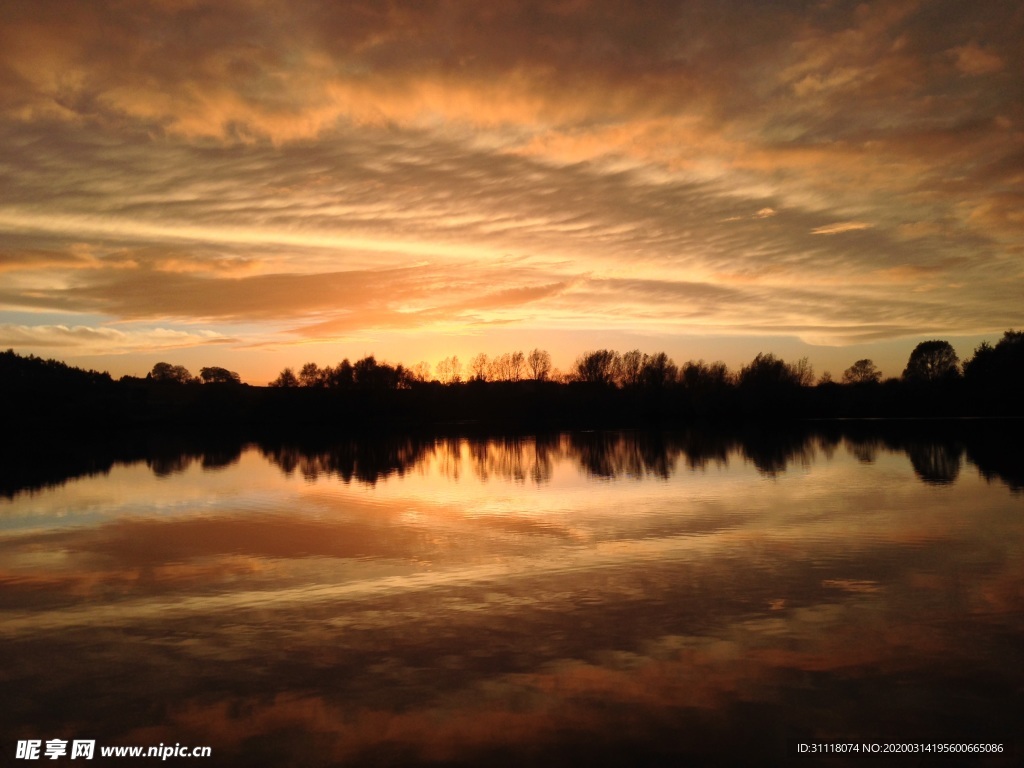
point(593, 598)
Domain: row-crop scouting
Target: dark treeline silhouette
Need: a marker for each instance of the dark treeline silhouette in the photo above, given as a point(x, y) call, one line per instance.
point(603, 389)
point(938, 452)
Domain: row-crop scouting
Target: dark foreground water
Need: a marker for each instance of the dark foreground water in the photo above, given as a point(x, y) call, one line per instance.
point(578, 599)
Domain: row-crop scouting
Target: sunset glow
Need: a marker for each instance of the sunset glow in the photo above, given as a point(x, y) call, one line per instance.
point(256, 184)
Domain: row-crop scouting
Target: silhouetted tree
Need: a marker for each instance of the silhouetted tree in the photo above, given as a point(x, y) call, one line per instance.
point(215, 375)
point(366, 373)
point(516, 366)
point(498, 368)
point(1002, 363)
point(802, 372)
point(510, 366)
point(178, 374)
point(340, 376)
point(600, 367)
point(862, 372)
point(982, 366)
point(767, 372)
point(539, 363)
point(478, 367)
point(701, 376)
point(403, 377)
point(31, 371)
point(312, 376)
point(420, 372)
point(286, 378)
point(630, 366)
point(658, 371)
point(449, 370)
point(995, 375)
point(932, 361)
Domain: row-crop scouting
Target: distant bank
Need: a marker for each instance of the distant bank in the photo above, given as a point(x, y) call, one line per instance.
point(603, 390)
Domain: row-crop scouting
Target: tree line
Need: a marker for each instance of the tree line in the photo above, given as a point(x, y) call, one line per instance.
point(370, 373)
point(602, 388)
point(930, 362)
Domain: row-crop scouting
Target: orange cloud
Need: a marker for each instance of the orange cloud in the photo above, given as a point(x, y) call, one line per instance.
point(97, 340)
point(839, 228)
point(254, 145)
point(972, 59)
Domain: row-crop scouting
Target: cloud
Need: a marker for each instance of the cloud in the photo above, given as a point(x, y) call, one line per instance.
point(82, 339)
point(839, 228)
point(972, 59)
point(436, 308)
point(20, 259)
point(142, 293)
point(265, 162)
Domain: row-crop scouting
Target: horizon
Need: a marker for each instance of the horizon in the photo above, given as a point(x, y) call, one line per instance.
point(426, 371)
point(258, 187)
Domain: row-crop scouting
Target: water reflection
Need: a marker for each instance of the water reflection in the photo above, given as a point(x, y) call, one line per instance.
point(366, 461)
point(937, 453)
point(936, 463)
point(608, 598)
point(171, 460)
point(936, 456)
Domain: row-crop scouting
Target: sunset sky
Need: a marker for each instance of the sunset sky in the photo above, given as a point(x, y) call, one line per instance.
point(256, 184)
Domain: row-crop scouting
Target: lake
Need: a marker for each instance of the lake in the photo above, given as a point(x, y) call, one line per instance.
point(589, 598)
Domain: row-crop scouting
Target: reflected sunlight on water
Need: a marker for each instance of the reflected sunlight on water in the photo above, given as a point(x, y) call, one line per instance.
point(586, 595)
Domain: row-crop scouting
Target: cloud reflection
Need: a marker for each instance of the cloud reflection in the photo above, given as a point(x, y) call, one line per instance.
point(600, 595)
